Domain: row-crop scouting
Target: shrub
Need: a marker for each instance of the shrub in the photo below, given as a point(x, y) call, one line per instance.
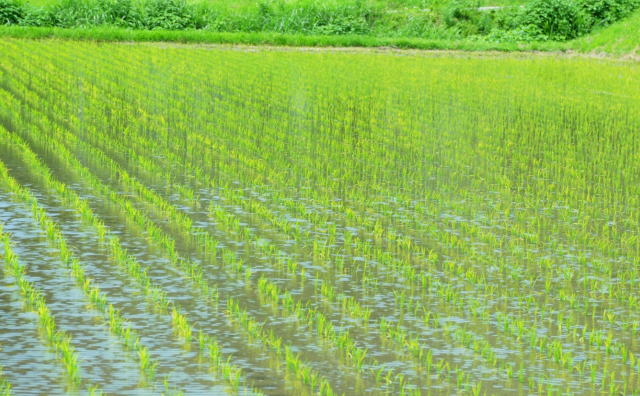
point(168, 15)
point(36, 16)
point(68, 13)
point(414, 23)
point(11, 12)
point(304, 17)
point(553, 19)
point(333, 19)
point(122, 13)
point(450, 19)
point(465, 16)
point(606, 12)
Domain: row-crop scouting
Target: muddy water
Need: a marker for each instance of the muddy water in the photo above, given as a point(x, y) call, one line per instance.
point(103, 361)
point(247, 354)
point(100, 353)
point(28, 364)
point(91, 339)
point(179, 364)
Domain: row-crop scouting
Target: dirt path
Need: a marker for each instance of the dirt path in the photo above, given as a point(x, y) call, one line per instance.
point(392, 51)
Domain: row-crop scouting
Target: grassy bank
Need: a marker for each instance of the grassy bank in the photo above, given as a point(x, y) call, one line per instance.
point(267, 38)
point(619, 39)
point(532, 21)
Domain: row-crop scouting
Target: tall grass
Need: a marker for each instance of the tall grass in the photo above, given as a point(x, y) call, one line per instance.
point(621, 38)
point(539, 20)
point(265, 38)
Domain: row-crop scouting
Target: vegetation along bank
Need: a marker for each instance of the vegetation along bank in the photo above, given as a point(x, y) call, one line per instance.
point(502, 21)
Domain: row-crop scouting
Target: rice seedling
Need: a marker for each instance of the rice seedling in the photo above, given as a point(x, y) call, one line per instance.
point(57, 340)
point(113, 317)
point(312, 317)
point(115, 320)
point(362, 223)
point(5, 385)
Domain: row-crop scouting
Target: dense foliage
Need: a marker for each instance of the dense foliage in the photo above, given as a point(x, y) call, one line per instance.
point(561, 19)
point(11, 12)
point(537, 20)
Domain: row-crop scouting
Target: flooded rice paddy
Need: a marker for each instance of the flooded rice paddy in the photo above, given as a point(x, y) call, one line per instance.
point(211, 221)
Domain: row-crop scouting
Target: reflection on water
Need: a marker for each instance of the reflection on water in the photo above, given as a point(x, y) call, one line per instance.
point(453, 270)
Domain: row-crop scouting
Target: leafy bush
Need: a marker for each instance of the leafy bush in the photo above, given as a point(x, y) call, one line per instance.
point(168, 15)
point(606, 12)
point(36, 16)
point(11, 12)
point(122, 13)
point(553, 19)
point(203, 16)
point(72, 13)
point(414, 23)
point(460, 10)
point(83, 13)
point(318, 18)
point(345, 20)
point(465, 16)
point(450, 19)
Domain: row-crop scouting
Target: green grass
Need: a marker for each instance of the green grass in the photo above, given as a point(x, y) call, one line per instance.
point(419, 24)
point(619, 39)
point(415, 19)
point(622, 38)
point(267, 38)
point(391, 5)
point(397, 4)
